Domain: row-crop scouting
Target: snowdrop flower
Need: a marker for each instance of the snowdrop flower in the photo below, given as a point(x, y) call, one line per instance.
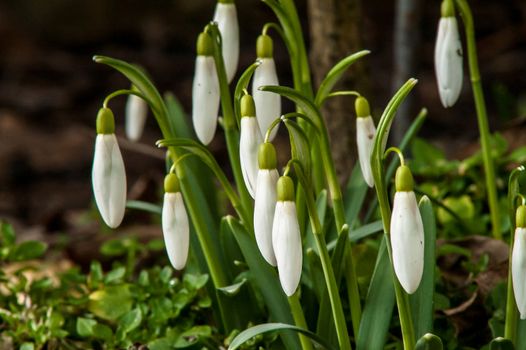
point(108, 175)
point(176, 230)
point(518, 261)
point(448, 56)
point(226, 17)
point(205, 91)
point(265, 201)
point(407, 233)
point(249, 141)
point(268, 104)
point(365, 132)
point(136, 113)
point(286, 237)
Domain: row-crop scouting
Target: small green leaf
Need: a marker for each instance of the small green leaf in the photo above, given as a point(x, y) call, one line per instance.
point(28, 250)
point(232, 289)
point(111, 302)
point(101, 331)
point(247, 334)
point(85, 327)
point(8, 235)
point(156, 245)
point(131, 320)
point(115, 275)
point(27, 346)
point(192, 336)
point(195, 282)
point(114, 247)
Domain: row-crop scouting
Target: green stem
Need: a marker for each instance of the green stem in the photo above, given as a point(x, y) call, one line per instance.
point(299, 320)
point(229, 122)
point(482, 117)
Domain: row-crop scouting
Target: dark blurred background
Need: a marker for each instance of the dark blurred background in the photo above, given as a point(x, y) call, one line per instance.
point(50, 90)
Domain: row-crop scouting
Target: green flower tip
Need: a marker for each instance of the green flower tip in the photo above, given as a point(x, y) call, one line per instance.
point(205, 45)
point(264, 46)
point(429, 342)
point(520, 216)
point(171, 183)
point(285, 189)
point(403, 179)
point(105, 121)
point(447, 9)
point(248, 108)
point(267, 156)
point(362, 107)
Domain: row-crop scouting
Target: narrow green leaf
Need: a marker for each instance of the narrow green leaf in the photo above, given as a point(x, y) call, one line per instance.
point(300, 146)
point(144, 206)
point(241, 85)
point(376, 316)
point(521, 329)
point(422, 300)
point(177, 117)
point(354, 195)
point(335, 74)
point(250, 333)
point(265, 280)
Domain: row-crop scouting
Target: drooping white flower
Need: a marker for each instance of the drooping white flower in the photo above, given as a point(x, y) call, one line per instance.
point(176, 229)
point(226, 17)
point(365, 133)
point(407, 233)
point(249, 141)
point(136, 113)
point(265, 201)
point(268, 104)
point(205, 91)
point(448, 56)
point(286, 237)
point(518, 262)
point(108, 173)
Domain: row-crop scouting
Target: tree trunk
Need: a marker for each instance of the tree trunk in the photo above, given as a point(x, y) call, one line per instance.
point(334, 34)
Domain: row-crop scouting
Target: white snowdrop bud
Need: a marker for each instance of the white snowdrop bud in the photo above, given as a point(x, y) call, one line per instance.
point(268, 104)
point(136, 113)
point(365, 133)
point(518, 262)
point(286, 237)
point(176, 229)
point(265, 201)
point(108, 174)
point(448, 56)
point(205, 91)
point(249, 141)
point(226, 17)
point(407, 233)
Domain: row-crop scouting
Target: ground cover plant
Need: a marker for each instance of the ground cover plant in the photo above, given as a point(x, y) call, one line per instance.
point(281, 255)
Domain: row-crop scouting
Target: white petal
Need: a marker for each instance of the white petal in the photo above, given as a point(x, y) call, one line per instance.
point(268, 104)
point(407, 241)
point(448, 61)
point(205, 98)
point(226, 18)
point(249, 141)
point(264, 207)
point(518, 270)
point(365, 133)
point(109, 179)
point(136, 112)
point(286, 240)
point(176, 229)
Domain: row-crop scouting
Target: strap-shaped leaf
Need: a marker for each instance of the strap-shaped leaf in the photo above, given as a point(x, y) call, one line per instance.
point(335, 74)
point(274, 327)
point(300, 146)
point(144, 206)
point(422, 300)
point(241, 85)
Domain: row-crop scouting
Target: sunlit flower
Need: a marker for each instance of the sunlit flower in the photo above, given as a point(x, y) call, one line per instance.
point(407, 233)
point(268, 104)
point(108, 174)
point(448, 56)
point(286, 237)
point(205, 91)
point(176, 229)
point(249, 141)
point(265, 201)
point(136, 113)
point(226, 18)
point(365, 133)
